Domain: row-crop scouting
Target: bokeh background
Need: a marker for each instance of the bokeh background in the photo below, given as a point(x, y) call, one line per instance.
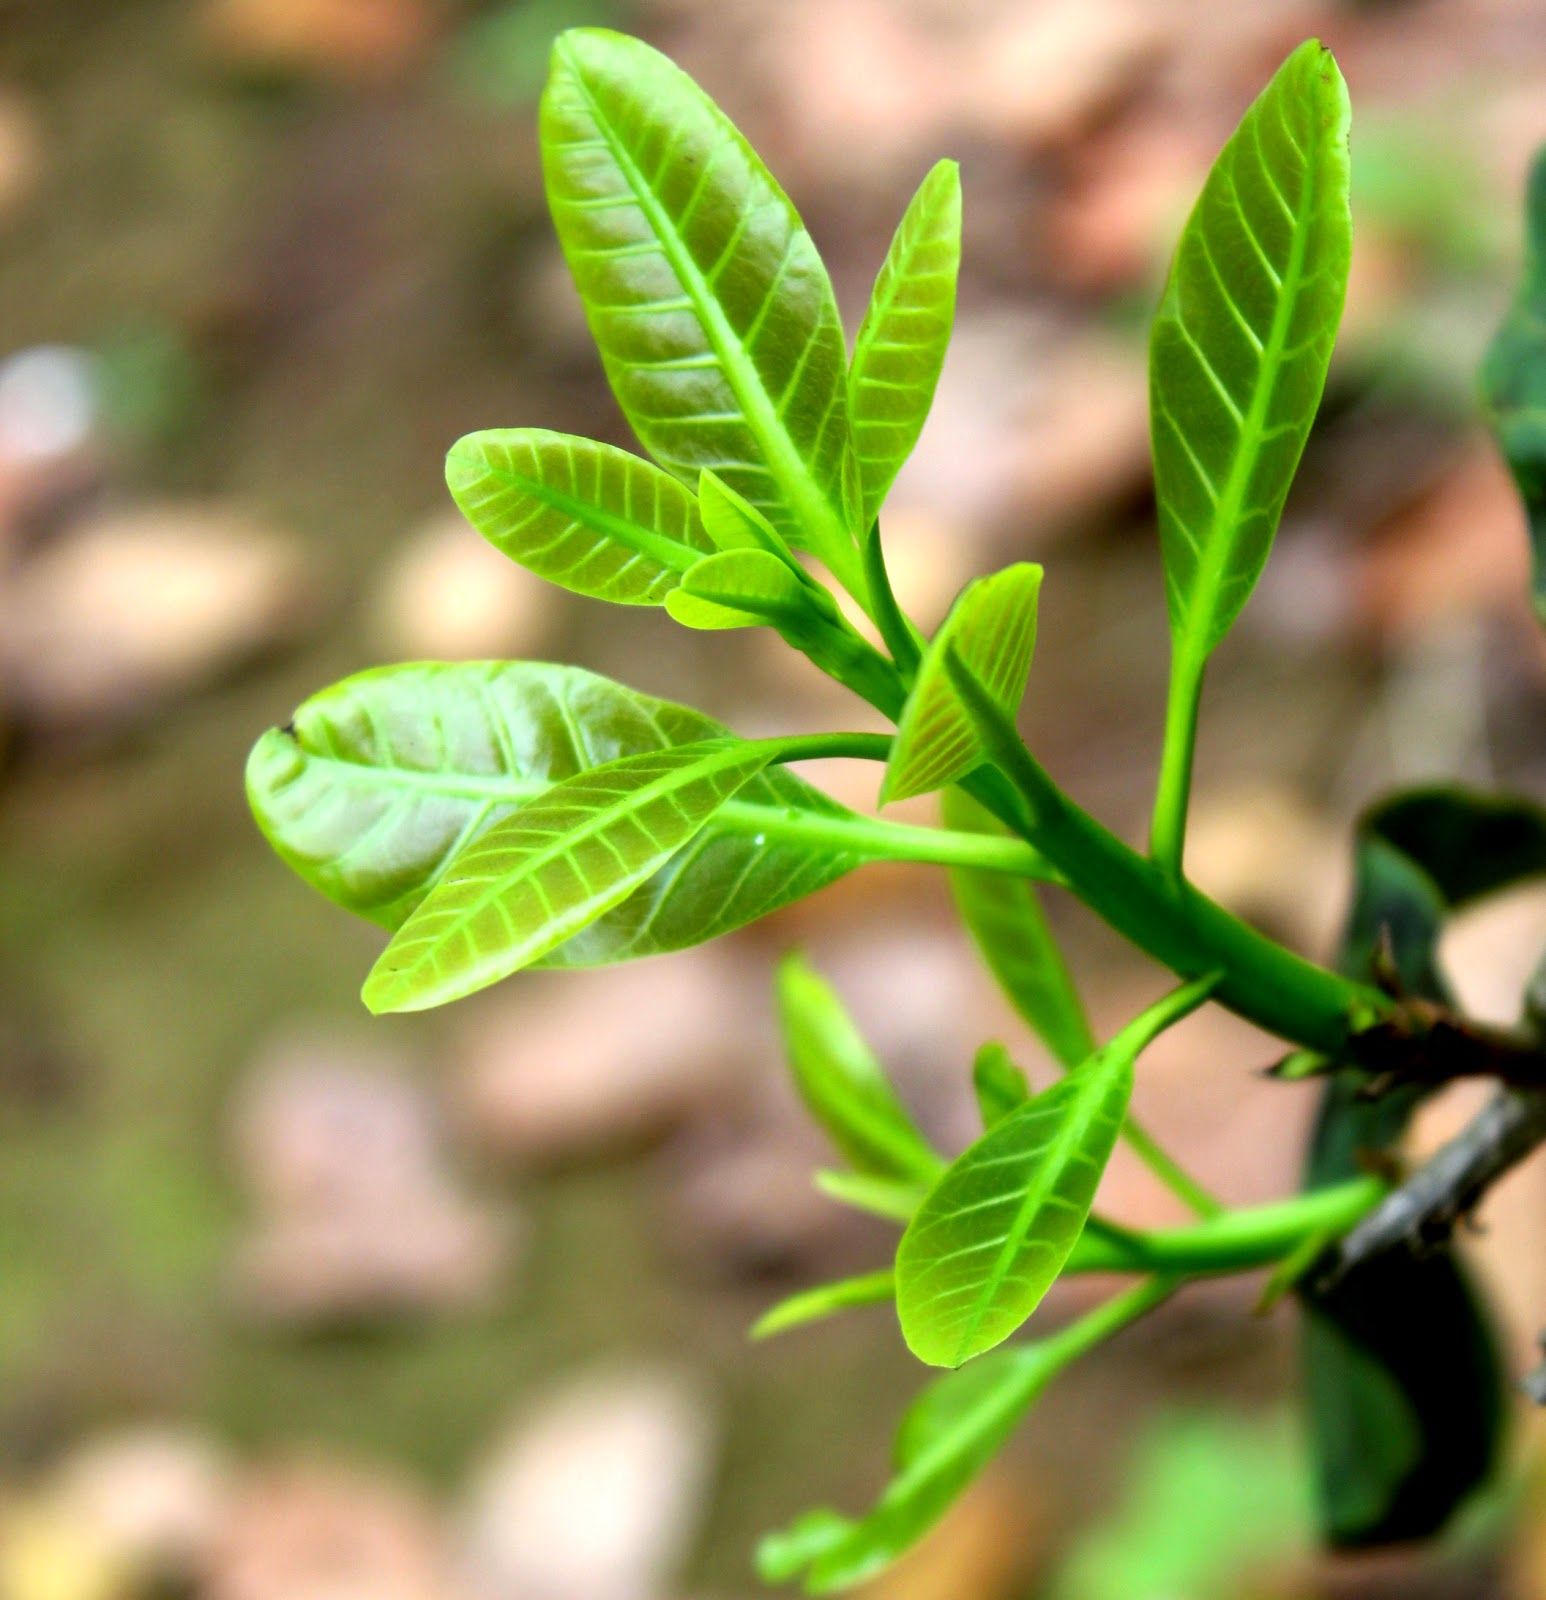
point(294, 1306)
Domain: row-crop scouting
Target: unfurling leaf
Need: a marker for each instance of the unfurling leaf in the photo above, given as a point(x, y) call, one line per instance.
point(743, 589)
point(1000, 1086)
point(996, 1229)
point(583, 515)
point(992, 627)
point(551, 868)
point(901, 346)
point(705, 295)
point(1004, 916)
point(1242, 341)
point(826, 1300)
point(1514, 380)
point(843, 1084)
point(381, 779)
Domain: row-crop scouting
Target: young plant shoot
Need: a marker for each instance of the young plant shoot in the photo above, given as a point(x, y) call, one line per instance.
point(499, 815)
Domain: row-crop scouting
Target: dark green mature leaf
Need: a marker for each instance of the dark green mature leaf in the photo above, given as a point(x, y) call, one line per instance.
point(901, 346)
point(826, 1300)
point(711, 308)
point(1003, 914)
point(842, 1083)
point(546, 871)
point(1242, 340)
point(583, 515)
point(1514, 380)
point(996, 1229)
point(1405, 1429)
point(992, 626)
point(379, 780)
point(1000, 1086)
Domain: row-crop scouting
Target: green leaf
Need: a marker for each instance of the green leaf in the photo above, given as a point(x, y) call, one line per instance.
point(742, 589)
point(891, 1199)
point(1514, 380)
point(826, 1300)
point(583, 515)
point(1242, 341)
point(996, 1229)
point(1405, 1430)
point(1004, 916)
point(733, 523)
point(842, 1083)
point(992, 626)
point(1000, 1086)
point(379, 780)
point(705, 295)
point(901, 346)
point(552, 867)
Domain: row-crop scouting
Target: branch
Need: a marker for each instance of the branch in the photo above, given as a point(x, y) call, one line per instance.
point(1422, 1213)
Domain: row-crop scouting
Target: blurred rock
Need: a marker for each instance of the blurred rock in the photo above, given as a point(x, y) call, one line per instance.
point(155, 1498)
point(143, 604)
point(594, 1495)
point(311, 1532)
point(358, 1216)
point(349, 40)
point(449, 595)
point(573, 1064)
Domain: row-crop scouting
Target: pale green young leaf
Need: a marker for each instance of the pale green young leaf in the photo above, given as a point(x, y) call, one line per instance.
point(992, 627)
point(1242, 341)
point(732, 522)
point(713, 313)
point(537, 878)
point(743, 589)
point(1514, 381)
point(825, 1300)
point(380, 779)
point(890, 1199)
point(1000, 1086)
point(998, 1226)
point(842, 1083)
point(1004, 916)
point(901, 345)
point(581, 514)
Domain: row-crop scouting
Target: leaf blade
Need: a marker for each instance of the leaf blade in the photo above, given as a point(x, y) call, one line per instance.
point(900, 349)
point(825, 1300)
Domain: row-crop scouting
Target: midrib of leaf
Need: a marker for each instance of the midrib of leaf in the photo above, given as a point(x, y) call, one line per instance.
point(807, 500)
point(1065, 1144)
point(1216, 546)
point(647, 541)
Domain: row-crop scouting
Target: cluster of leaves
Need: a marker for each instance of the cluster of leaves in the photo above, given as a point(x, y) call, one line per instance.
point(499, 815)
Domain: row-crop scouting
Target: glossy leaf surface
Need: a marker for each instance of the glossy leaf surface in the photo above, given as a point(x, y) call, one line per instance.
point(1514, 380)
point(549, 869)
point(843, 1084)
point(901, 346)
point(826, 1300)
point(583, 515)
point(1242, 341)
point(741, 589)
point(1004, 916)
point(378, 780)
point(705, 295)
point(992, 626)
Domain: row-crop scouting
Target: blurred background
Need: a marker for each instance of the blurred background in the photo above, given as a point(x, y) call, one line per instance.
point(294, 1306)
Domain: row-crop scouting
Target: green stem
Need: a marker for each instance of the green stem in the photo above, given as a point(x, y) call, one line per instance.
point(1167, 833)
point(1108, 1318)
point(902, 639)
point(1233, 1241)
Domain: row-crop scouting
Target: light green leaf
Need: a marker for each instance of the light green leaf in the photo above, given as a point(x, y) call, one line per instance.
point(842, 1083)
point(732, 522)
point(1000, 1086)
point(706, 297)
point(891, 1199)
point(1004, 916)
point(583, 515)
point(1514, 380)
point(379, 780)
point(826, 1300)
point(1242, 341)
point(901, 345)
point(742, 589)
point(996, 1229)
point(992, 627)
point(554, 866)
